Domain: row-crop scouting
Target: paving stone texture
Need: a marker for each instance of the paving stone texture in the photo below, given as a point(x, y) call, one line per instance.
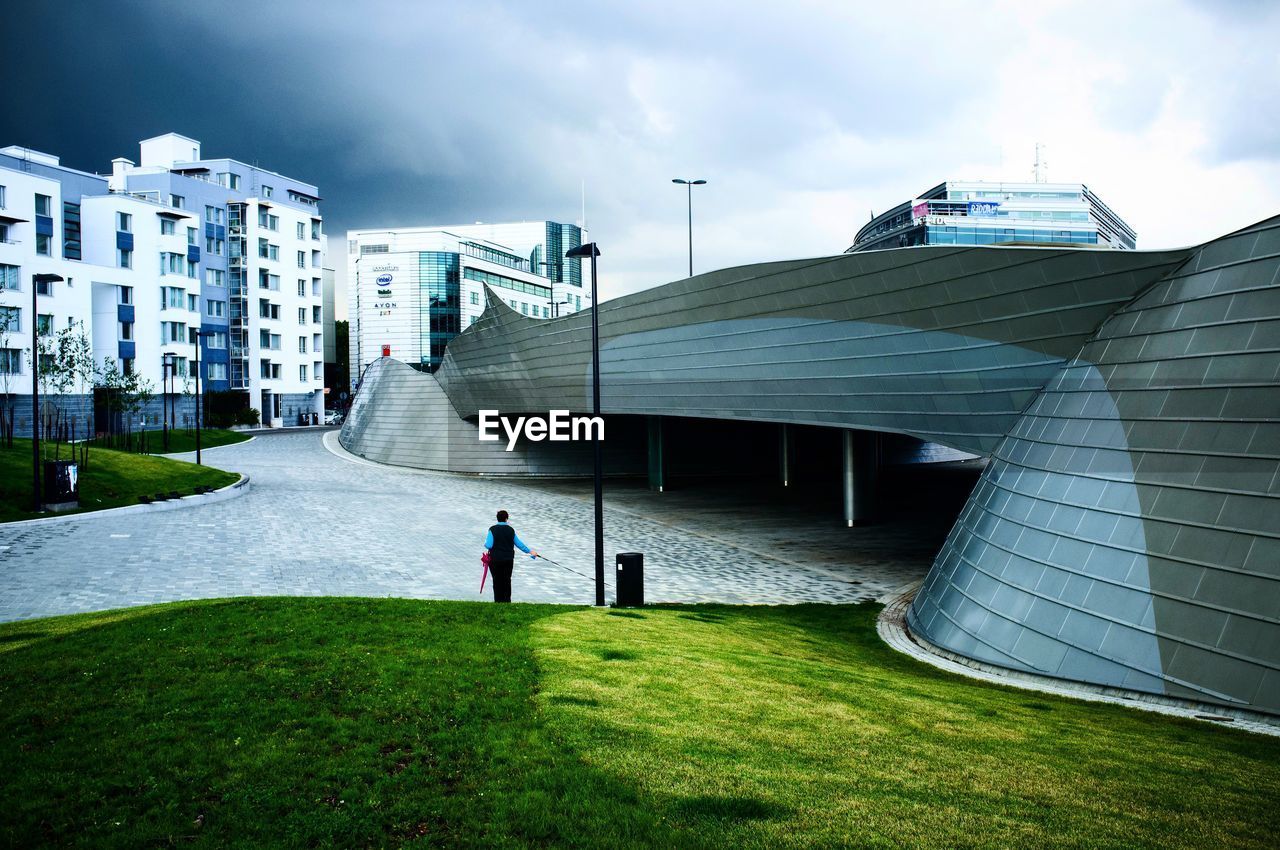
point(319, 524)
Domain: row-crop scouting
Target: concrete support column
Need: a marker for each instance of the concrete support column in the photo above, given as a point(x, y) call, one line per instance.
point(861, 474)
point(657, 466)
point(786, 454)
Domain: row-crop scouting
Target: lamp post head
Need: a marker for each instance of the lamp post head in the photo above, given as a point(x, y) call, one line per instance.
point(47, 278)
point(689, 182)
point(587, 250)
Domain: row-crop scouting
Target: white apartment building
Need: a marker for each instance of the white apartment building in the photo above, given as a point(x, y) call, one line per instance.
point(164, 255)
point(411, 290)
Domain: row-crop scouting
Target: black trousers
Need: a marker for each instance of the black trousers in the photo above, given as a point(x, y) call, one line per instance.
point(501, 571)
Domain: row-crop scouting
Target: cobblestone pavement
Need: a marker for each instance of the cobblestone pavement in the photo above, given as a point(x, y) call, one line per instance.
point(316, 524)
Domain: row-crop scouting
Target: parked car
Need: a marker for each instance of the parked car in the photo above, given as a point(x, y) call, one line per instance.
point(333, 417)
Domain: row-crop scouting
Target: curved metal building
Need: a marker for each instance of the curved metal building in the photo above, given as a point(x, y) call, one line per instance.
point(1127, 530)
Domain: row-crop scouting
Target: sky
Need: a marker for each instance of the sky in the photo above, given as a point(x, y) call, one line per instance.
point(804, 117)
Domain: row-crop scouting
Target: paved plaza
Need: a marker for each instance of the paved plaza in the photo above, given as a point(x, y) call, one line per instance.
point(319, 524)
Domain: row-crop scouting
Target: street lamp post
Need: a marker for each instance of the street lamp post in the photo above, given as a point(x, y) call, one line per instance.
point(36, 280)
point(590, 250)
point(165, 401)
point(689, 184)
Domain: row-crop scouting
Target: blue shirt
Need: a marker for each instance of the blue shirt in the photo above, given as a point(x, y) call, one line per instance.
point(488, 541)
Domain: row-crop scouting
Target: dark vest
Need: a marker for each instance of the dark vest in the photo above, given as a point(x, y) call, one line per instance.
point(504, 543)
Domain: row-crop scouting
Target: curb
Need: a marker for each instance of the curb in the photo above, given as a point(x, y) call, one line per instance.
point(231, 491)
point(892, 628)
point(204, 449)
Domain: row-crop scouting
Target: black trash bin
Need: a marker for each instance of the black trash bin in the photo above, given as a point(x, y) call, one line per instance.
point(61, 484)
point(630, 579)
point(302, 419)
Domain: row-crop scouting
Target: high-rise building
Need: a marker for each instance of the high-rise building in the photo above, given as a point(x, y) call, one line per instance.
point(411, 290)
point(160, 256)
point(961, 212)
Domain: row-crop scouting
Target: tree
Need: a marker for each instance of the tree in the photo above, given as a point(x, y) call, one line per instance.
point(8, 399)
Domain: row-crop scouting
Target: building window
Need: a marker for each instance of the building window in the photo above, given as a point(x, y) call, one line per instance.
point(302, 371)
point(2, 205)
point(302, 288)
point(267, 191)
point(317, 369)
point(124, 330)
point(177, 201)
point(216, 340)
point(9, 277)
point(216, 309)
point(172, 297)
point(524, 308)
point(166, 227)
point(302, 259)
point(124, 222)
point(215, 277)
point(315, 286)
point(70, 231)
point(267, 310)
point(374, 249)
point(124, 294)
point(171, 263)
point(262, 248)
point(316, 315)
point(229, 180)
point(126, 365)
point(193, 303)
point(302, 230)
point(317, 342)
point(475, 297)
point(302, 345)
point(43, 204)
point(302, 315)
point(577, 302)
point(44, 324)
point(42, 245)
point(273, 252)
point(10, 360)
point(192, 236)
point(124, 258)
point(173, 332)
point(315, 227)
point(10, 319)
point(216, 371)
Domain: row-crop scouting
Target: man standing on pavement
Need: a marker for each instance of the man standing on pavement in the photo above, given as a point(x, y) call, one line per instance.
point(502, 543)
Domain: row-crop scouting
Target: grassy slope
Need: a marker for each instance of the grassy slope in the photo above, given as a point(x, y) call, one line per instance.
point(375, 722)
point(181, 440)
point(110, 480)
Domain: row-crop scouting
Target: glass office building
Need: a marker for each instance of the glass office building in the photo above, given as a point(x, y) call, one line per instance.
point(978, 213)
point(412, 290)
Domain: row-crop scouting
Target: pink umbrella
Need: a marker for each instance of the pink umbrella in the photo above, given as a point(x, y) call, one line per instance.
point(484, 559)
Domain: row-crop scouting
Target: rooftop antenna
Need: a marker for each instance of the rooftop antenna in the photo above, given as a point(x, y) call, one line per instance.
point(1041, 166)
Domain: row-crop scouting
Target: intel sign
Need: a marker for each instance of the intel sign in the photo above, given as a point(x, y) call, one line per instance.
point(384, 279)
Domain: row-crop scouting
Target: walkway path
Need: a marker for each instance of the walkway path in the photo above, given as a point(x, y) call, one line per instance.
point(318, 524)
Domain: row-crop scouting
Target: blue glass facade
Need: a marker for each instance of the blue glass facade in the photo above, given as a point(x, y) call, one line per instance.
point(440, 315)
point(947, 235)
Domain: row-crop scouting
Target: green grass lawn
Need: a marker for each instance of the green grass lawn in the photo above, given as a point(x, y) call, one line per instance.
point(375, 723)
point(182, 440)
point(111, 479)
